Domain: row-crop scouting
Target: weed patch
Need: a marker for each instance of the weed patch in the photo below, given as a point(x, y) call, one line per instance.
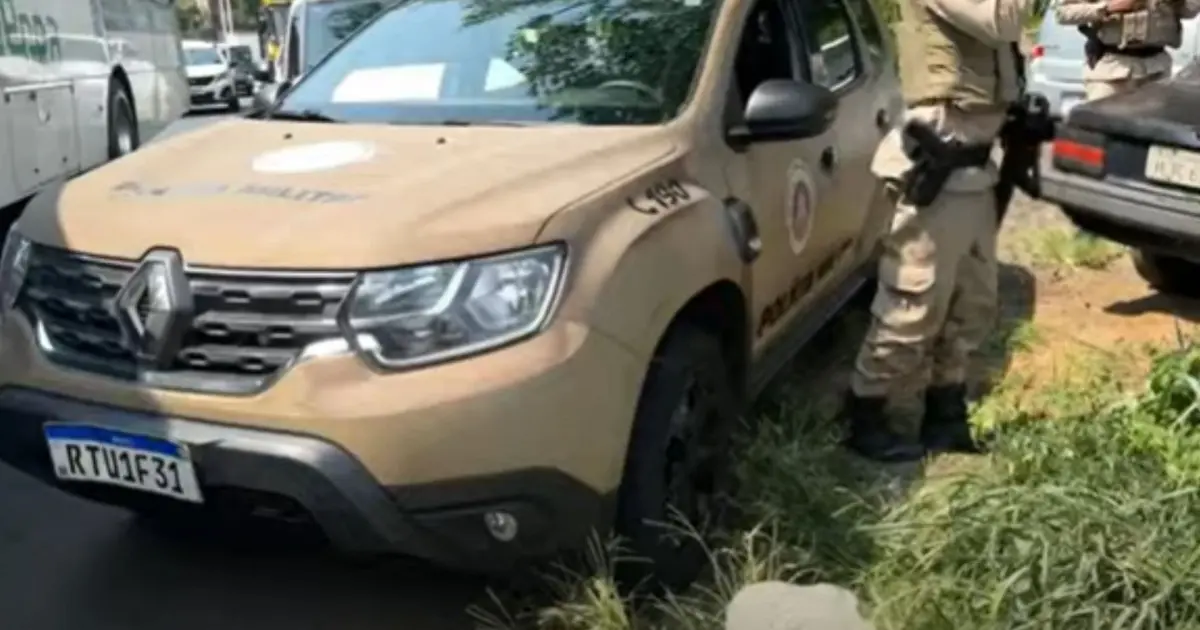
point(1084, 516)
point(1068, 248)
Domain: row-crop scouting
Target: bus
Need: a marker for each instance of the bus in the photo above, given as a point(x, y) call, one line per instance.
point(81, 83)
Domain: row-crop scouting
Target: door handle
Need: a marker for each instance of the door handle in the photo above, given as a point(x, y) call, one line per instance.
point(883, 120)
point(828, 159)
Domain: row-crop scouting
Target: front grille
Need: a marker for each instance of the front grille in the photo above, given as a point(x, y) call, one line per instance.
point(248, 327)
point(200, 81)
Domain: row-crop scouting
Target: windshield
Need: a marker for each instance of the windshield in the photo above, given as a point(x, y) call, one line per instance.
point(327, 24)
point(202, 56)
point(479, 61)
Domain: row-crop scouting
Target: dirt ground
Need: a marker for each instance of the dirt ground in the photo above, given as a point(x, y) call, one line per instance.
point(1059, 300)
point(1076, 308)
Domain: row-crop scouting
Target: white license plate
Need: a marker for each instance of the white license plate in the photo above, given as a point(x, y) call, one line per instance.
point(1173, 166)
point(115, 458)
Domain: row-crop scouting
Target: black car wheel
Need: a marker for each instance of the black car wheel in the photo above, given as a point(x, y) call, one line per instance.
point(123, 137)
point(1168, 274)
point(677, 463)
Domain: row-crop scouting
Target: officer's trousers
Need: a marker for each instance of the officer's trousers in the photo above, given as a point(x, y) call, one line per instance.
point(937, 297)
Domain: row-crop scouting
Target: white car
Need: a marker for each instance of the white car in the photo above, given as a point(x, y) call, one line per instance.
point(210, 75)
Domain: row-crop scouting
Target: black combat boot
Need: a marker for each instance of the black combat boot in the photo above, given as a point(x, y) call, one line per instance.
point(945, 428)
point(870, 434)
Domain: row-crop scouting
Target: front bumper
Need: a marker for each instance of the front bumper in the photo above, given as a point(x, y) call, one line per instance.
point(1129, 212)
point(401, 463)
point(215, 93)
point(305, 479)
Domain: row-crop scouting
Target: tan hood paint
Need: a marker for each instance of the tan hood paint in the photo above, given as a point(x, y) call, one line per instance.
point(427, 193)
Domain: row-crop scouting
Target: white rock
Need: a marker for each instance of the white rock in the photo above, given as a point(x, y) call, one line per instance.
point(783, 606)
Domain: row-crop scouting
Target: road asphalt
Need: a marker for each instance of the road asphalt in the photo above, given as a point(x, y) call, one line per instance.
point(67, 564)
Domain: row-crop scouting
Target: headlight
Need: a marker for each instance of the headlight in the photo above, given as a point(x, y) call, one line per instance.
point(14, 264)
point(430, 313)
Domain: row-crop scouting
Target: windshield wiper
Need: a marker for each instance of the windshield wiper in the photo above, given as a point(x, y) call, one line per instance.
point(454, 122)
point(306, 115)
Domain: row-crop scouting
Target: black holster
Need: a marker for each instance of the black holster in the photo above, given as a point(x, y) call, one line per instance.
point(934, 160)
point(1093, 48)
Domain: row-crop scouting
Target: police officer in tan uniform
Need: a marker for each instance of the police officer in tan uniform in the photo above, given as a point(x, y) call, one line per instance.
point(937, 294)
point(1127, 40)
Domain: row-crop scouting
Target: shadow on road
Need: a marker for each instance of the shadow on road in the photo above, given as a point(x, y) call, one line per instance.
point(1018, 302)
point(821, 372)
point(71, 564)
point(262, 586)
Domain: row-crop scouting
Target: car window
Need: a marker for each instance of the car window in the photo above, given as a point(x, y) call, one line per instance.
point(832, 49)
point(765, 51)
point(872, 31)
point(594, 63)
point(241, 55)
point(202, 56)
point(80, 48)
point(326, 25)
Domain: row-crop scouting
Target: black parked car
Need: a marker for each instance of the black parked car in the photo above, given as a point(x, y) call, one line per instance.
point(1127, 167)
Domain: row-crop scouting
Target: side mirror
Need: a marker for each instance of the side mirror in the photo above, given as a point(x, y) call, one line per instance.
point(781, 109)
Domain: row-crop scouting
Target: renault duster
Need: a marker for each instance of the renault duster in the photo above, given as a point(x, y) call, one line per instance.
point(488, 279)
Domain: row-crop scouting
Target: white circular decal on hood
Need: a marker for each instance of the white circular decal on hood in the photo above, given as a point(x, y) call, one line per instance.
point(314, 157)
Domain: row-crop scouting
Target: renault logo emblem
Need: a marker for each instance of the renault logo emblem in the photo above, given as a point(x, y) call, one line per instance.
point(154, 309)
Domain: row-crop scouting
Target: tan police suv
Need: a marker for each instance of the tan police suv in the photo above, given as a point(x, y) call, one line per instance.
point(489, 278)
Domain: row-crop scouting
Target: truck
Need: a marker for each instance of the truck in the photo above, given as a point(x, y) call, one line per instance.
point(82, 83)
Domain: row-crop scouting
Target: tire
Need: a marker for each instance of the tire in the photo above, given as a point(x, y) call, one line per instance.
point(688, 367)
point(123, 135)
point(1168, 274)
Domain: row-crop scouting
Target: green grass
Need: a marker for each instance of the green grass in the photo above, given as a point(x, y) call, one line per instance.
point(1068, 248)
point(1085, 516)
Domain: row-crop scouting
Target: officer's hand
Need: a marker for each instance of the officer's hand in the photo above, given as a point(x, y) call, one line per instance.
point(1121, 6)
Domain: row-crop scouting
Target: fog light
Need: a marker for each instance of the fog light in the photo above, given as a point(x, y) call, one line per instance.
point(501, 525)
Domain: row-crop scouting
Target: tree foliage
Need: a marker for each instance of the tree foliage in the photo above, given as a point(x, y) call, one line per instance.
point(578, 46)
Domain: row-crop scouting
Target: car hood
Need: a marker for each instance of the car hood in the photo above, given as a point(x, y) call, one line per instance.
point(197, 72)
point(1166, 112)
point(245, 193)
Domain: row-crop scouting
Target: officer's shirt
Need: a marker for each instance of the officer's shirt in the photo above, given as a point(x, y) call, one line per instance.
point(999, 23)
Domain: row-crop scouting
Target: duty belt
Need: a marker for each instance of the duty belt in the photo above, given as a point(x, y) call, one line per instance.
point(1133, 51)
point(934, 160)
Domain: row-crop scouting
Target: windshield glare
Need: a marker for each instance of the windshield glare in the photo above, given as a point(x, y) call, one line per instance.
point(328, 24)
point(464, 61)
point(202, 56)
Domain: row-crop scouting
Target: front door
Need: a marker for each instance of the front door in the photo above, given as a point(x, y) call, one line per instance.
point(787, 184)
point(841, 60)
